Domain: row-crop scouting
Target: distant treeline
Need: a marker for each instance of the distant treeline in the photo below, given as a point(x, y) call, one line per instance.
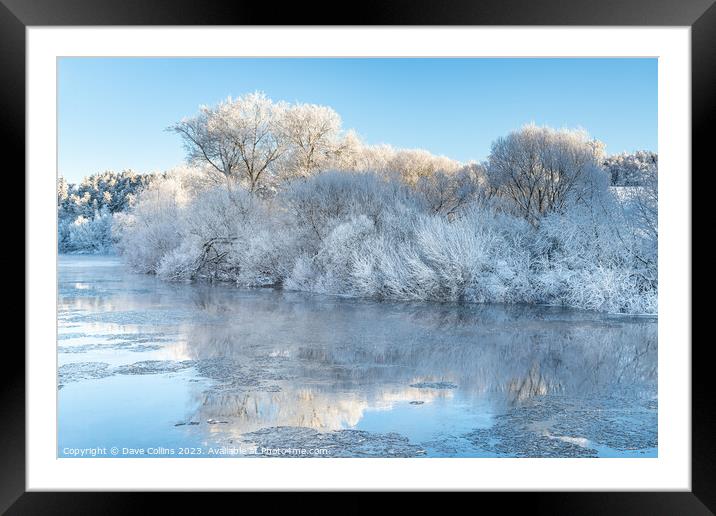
point(85, 210)
point(631, 169)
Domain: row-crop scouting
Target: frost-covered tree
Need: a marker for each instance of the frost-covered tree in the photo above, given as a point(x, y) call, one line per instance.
point(258, 142)
point(238, 138)
point(540, 170)
point(635, 183)
point(349, 154)
point(91, 204)
point(411, 165)
point(449, 193)
point(408, 165)
point(312, 137)
point(322, 202)
point(371, 235)
point(152, 228)
point(360, 157)
point(536, 223)
point(631, 169)
point(645, 202)
point(90, 235)
point(62, 190)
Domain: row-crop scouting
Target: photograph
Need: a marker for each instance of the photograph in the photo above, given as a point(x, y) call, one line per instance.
point(357, 257)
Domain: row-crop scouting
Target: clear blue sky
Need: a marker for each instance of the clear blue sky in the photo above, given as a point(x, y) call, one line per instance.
point(113, 111)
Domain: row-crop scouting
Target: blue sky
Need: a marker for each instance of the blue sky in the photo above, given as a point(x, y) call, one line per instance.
point(113, 111)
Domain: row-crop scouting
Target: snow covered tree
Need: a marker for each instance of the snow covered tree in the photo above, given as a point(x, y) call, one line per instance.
point(257, 142)
point(91, 204)
point(631, 169)
point(312, 136)
point(153, 227)
point(408, 165)
point(413, 164)
point(535, 223)
point(448, 193)
point(239, 138)
point(540, 170)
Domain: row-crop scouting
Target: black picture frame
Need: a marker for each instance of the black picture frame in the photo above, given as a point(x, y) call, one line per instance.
point(700, 15)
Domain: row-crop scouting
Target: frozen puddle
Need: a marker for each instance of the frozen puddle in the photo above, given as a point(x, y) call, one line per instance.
point(200, 370)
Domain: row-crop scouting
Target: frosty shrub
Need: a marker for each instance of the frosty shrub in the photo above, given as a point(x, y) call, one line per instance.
point(87, 235)
point(593, 257)
point(153, 227)
point(226, 235)
point(537, 223)
point(317, 205)
point(419, 256)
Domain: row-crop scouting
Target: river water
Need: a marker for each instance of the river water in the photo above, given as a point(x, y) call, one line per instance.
point(150, 368)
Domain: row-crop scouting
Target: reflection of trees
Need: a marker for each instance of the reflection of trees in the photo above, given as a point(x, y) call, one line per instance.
point(253, 410)
point(320, 409)
point(340, 357)
point(349, 354)
point(533, 384)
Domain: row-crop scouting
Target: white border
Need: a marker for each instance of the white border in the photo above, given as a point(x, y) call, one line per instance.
point(670, 471)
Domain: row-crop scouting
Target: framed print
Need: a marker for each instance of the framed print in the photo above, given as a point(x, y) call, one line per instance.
point(436, 249)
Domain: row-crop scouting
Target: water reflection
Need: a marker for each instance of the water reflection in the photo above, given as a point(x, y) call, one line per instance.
point(344, 356)
point(279, 358)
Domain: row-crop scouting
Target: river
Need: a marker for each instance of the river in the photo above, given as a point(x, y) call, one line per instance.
point(150, 368)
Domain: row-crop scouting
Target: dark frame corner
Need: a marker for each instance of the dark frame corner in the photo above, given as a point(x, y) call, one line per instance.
point(700, 15)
